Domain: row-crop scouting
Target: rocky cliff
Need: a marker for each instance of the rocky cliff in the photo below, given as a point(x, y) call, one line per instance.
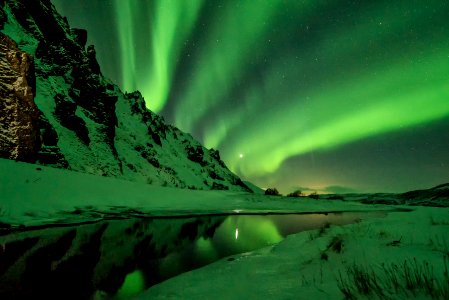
point(83, 121)
point(18, 113)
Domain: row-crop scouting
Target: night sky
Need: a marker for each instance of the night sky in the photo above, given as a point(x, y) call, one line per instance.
point(332, 96)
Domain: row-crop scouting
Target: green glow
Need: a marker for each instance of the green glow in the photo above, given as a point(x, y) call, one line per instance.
point(398, 97)
point(339, 110)
point(270, 80)
point(205, 251)
point(133, 285)
point(124, 12)
point(253, 233)
point(171, 24)
point(229, 44)
point(338, 45)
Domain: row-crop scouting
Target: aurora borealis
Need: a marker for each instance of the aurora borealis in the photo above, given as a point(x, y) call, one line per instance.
point(315, 94)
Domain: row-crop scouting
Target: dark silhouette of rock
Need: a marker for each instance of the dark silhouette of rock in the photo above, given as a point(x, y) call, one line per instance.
point(65, 112)
point(80, 36)
point(272, 192)
point(49, 154)
point(219, 186)
point(92, 60)
point(195, 154)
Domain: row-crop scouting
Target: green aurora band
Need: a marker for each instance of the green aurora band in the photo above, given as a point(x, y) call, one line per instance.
point(124, 12)
point(171, 23)
point(383, 99)
point(390, 96)
point(380, 69)
point(230, 43)
point(388, 102)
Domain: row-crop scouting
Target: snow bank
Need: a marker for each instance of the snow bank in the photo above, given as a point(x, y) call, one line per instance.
point(33, 195)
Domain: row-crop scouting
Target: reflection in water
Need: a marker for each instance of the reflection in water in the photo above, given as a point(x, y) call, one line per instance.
point(134, 284)
point(239, 234)
point(243, 233)
point(120, 258)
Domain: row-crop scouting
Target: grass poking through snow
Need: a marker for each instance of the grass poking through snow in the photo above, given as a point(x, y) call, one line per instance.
point(440, 244)
point(390, 281)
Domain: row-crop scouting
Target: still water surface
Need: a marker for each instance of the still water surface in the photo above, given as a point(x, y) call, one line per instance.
point(233, 235)
point(120, 258)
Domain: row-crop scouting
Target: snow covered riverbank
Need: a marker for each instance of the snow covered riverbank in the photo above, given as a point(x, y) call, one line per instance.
point(399, 256)
point(403, 255)
point(33, 195)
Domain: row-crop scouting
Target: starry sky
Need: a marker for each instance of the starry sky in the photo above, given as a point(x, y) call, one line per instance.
point(327, 96)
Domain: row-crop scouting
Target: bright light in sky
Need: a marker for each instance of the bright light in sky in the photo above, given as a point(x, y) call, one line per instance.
point(241, 155)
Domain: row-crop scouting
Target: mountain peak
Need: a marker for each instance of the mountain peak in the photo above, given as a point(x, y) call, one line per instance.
point(86, 123)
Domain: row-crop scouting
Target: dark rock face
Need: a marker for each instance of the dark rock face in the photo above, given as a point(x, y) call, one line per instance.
point(61, 51)
point(80, 36)
point(49, 154)
point(85, 123)
point(219, 186)
point(65, 112)
point(88, 92)
point(195, 154)
point(92, 60)
point(215, 154)
point(19, 133)
point(49, 27)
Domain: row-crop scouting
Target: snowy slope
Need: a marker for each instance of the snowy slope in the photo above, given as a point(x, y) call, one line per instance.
point(87, 124)
point(34, 195)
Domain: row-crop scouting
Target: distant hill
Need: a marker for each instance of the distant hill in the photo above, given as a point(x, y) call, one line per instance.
point(437, 196)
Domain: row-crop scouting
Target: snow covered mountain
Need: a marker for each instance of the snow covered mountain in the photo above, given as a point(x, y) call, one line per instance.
point(80, 120)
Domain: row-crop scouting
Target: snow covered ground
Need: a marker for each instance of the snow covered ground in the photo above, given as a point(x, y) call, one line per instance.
point(33, 195)
point(403, 255)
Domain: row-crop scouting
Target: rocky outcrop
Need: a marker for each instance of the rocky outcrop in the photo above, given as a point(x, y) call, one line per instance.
point(87, 124)
point(79, 36)
point(65, 113)
point(19, 133)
